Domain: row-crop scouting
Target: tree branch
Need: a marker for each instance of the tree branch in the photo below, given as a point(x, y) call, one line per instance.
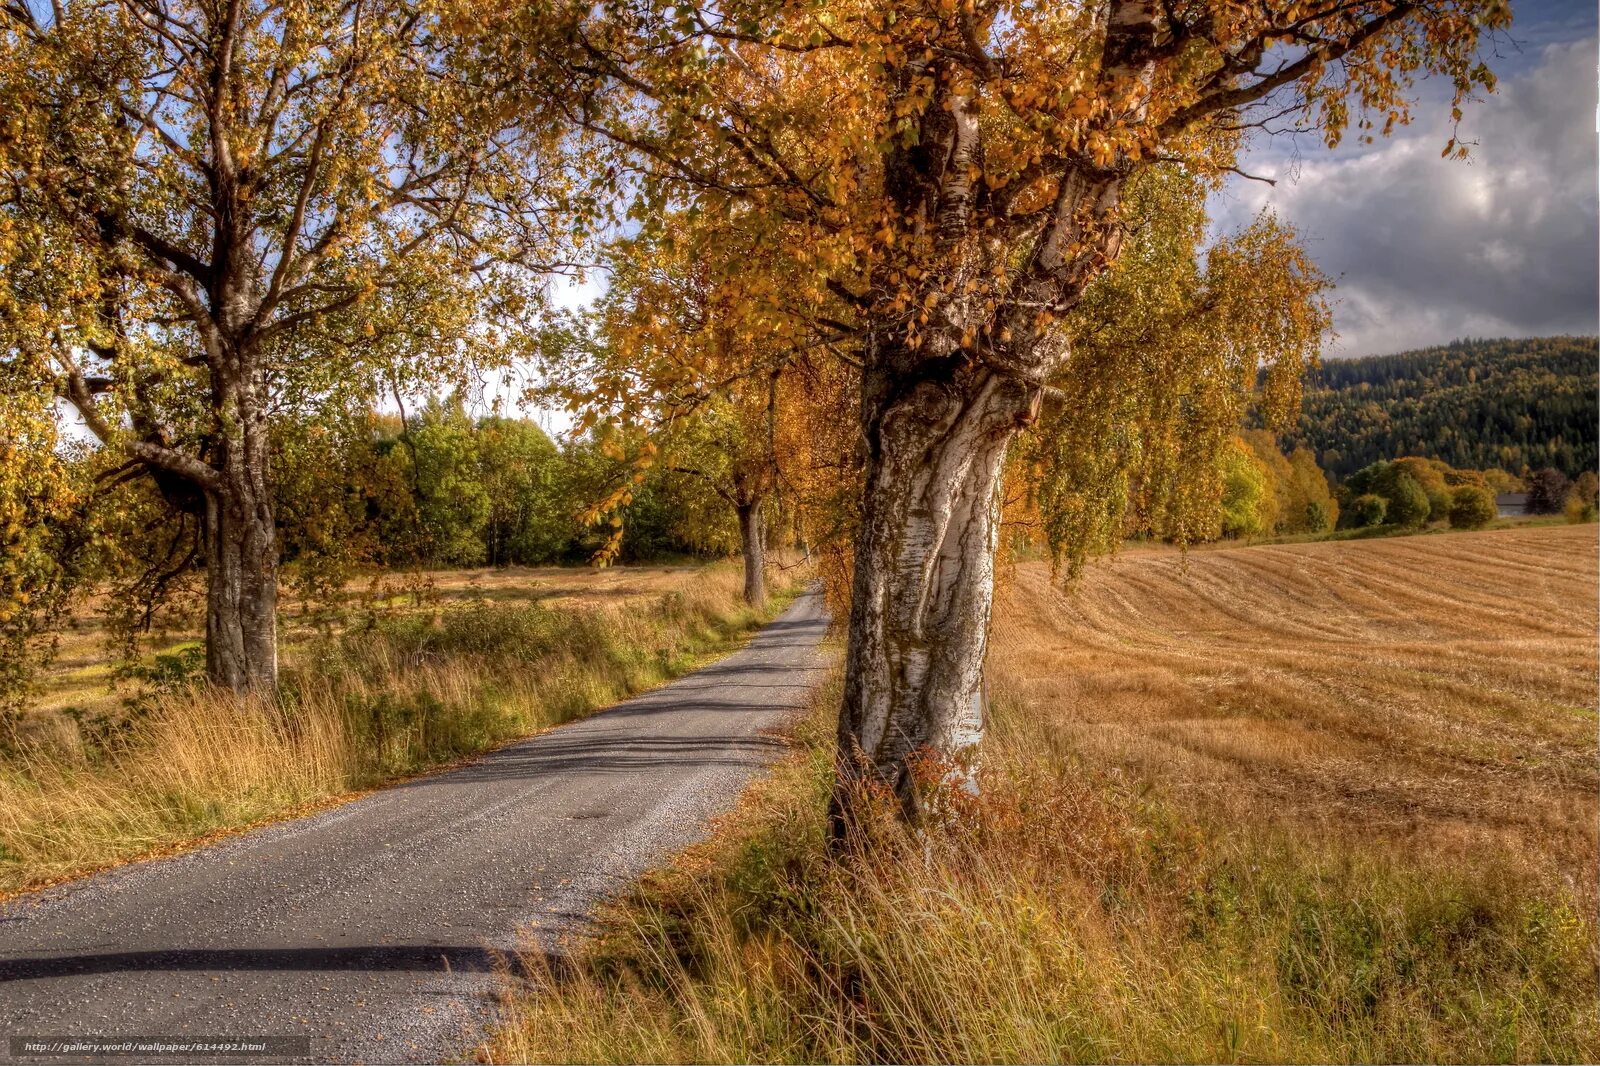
point(1228, 99)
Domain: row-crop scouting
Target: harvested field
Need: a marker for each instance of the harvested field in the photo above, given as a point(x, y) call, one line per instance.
point(1321, 802)
point(1436, 690)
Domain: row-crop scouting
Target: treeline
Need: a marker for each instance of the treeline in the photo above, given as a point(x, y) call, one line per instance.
point(1515, 405)
point(445, 488)
point(1265, 492)
point(1412, 492)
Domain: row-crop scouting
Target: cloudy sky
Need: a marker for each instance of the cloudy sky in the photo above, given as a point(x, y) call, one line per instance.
point(1424, 250)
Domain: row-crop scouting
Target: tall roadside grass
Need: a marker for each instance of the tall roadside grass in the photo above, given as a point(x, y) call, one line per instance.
point(1068, 914)
point(393, 695)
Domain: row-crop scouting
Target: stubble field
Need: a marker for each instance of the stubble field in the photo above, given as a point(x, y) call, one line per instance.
point(1436, 692)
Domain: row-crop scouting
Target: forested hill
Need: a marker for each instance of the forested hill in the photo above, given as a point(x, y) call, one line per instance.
point(1474, 404)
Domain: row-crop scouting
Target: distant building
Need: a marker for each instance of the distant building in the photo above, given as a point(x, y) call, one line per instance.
point(1511, 504)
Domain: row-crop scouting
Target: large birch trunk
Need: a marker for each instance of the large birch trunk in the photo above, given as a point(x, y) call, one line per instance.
point(924, 580)
point(752, 542)
point(241, 544)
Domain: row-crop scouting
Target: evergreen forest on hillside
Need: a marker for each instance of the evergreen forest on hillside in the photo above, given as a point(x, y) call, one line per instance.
point(1475, 404)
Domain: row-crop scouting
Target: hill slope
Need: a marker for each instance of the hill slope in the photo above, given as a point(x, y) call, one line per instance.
point(1474, 403)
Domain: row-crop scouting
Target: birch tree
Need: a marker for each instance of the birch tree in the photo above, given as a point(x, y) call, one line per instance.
point(955, 172)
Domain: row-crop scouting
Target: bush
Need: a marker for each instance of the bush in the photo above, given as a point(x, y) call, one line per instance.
point(1547, 491)
point(1405, 499)
point(1309, 487)
point(1408, 502)
point(1369, 509)
point(1320, 515)
point(1583, 502)
point(1472, 507)
point(1246, 494)
point(1430, 475)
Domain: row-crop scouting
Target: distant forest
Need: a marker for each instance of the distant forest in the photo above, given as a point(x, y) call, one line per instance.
point(1475, 404)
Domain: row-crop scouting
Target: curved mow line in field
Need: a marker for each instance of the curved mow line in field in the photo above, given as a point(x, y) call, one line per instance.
point(1439, 682)
point(1321, 597)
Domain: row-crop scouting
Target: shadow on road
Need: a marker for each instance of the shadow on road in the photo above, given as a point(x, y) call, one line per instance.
point(441, 958)
point(586, 753)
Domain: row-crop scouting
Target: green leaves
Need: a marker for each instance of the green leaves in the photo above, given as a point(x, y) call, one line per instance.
point(1169, 351)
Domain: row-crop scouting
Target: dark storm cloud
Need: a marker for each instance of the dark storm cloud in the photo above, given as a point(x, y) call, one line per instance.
point(1425, 249)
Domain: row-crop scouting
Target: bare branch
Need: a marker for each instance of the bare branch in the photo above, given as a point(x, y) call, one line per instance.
point(1332, 51)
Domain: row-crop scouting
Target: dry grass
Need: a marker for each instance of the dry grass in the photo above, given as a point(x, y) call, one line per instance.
point(1318, 802)
point(397, 691)
point(83, 674)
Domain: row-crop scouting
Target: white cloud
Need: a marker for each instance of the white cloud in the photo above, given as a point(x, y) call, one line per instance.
point(1424, 249)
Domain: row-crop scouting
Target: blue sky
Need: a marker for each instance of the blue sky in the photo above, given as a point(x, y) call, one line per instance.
point(1425, 250)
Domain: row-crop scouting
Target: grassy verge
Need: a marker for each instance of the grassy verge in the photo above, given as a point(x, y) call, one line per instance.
point(1073, 916)
point(399, 694)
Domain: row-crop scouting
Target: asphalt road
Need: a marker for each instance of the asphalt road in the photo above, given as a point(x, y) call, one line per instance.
point(375, 929)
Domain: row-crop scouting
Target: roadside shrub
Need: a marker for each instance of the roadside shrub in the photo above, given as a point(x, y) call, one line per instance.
point(1368, 509)
point(1472, 507)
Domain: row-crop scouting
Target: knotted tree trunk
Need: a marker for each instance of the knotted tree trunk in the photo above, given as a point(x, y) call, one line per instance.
point(924, 577)
point(241, 550)
point(944, 392)
point(241, 594)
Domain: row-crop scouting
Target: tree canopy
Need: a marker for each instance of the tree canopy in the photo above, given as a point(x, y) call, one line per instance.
point(215, 214)
point(857, 251)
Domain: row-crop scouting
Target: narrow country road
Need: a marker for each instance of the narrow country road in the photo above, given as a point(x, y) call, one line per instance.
point(372, 930)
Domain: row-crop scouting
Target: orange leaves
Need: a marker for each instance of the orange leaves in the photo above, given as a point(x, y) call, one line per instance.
point(1101, 148)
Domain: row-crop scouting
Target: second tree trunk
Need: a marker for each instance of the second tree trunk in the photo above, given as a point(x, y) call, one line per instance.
point(752, 534)
point(241, 553)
